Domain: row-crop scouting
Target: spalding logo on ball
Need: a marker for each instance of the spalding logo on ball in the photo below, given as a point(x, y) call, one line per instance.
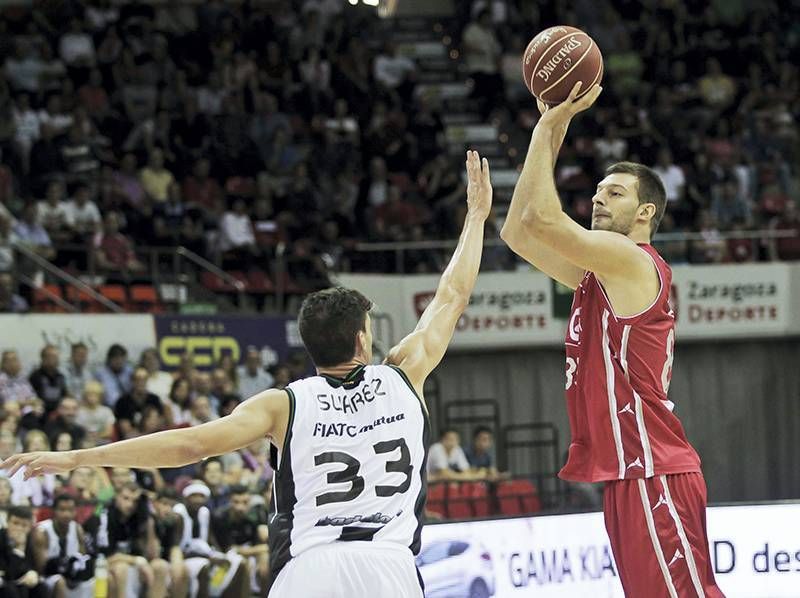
point(556, 59)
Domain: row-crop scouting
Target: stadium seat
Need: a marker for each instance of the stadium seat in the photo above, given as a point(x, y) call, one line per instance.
point(259, 282)
point(478, 495)
point(116, 293)
point(43, 301)
point(144, 297)
point(518, 497)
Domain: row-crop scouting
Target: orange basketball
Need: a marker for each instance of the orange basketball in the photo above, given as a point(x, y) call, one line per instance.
point(556, 59)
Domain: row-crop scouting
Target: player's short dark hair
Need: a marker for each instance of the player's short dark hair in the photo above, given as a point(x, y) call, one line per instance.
point(329, 322)
point(480, 430)
point(238, 489)
point(20, 512)
point(650, 189)
point(62, 497)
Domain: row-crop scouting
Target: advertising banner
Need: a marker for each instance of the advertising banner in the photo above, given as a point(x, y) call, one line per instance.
point(29, 333)
point(734, 300)
point(525, 308)
point(210, 337)
point(755, 552)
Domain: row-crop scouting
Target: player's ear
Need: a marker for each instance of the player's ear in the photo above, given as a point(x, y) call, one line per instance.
point(647, 210)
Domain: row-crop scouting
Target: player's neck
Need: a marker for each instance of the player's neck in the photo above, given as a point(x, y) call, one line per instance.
point(341, 370)
point(639, 236)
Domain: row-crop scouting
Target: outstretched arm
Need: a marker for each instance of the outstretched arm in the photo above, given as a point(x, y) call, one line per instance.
point(255, 418)
point(606, 253)
point(422, 350)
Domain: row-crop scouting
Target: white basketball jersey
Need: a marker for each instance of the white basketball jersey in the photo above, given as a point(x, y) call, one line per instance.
point(352, 465)
point(53, 542)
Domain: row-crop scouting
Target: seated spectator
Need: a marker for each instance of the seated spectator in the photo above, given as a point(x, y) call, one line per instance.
point(480, 454)
point(130, 407)
point(14, 386)
point(10, 301)
point(446, 459)
point(93, 95)
point(76, 46)
point(7, 239)
point(81, 155)
point(179, 401)
point(62, 542)
point(37, 491)
point(397, 212)
point(114, 251)
point(717, 89)
point(83, 213)
point(159, 382)
point(213, 475)
point(394, 71)
point(255, 460)
point(729, 205)
point(48, 381)
point(31, 234)
point(785, 248)
point(200, 411)
point(200, 547)
point(237, 240)
point(126, 182)
point(169, 530)
point(155, 178)
point(252, 376)
point(94, 417)
point(65, 420)
point(125, 534)
point(482, 52)
point(236, 528)
point(115, 374)
point(18, 556)
point(5, 501)
point(77, 372)
point(711, 249)
point(200, 189)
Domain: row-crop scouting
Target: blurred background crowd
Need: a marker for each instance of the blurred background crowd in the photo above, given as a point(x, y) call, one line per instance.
point(250, 132)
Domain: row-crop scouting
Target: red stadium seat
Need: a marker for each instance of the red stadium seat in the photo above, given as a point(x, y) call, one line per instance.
point(116, 293)
point(518, 497)
point(42, 298)
point(259, 282)
point(478, 494)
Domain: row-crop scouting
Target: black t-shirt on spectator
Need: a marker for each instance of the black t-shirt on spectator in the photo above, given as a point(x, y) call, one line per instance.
point(111, 533)
point(56, 426)
point(128, 408)
point(13, 564)
point(49, 387)
point(230, 531)
point(169, 533)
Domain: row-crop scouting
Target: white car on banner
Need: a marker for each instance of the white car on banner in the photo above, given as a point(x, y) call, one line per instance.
point(458, 568)
point(755, 552)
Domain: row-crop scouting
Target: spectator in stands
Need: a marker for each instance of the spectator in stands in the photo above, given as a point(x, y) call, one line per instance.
point(17, 558)
point(126, 536)
point(155, 178)
point(65, 420)
point(202, 190)
point(787, 248)
point(31, 234)
point(130, 407)
point(446, 458)
point(83, 213)
point(200, 410)
point(126, 183)
point(76, 47)
point(159, 382)
point(237, 529)
point(48, 381)
point(717, 89)
point(213, 476)
point(480, 454)
point(482, 53)
point(252, 376)
point(38, 491)
point(14, 386)
point(711, 248)
point(54, 214)
point(255, 460)
point(7, 238)
point(60, 549)
point(115, 374)
point(179, 402)
point(97, 419)
point(169, 530)
point(237, 241)
point(282, 374)
point(728, 205)
point(114, 251)
point(77, 372)
point(5, 501)
point(10, 301)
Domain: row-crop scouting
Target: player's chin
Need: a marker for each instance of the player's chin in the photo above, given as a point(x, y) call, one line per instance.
point(601, 223)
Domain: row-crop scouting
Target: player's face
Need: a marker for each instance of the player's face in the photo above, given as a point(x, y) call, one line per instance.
point(615, 204)
point(65, 512)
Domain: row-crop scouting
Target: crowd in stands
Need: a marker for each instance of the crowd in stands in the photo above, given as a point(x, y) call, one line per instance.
point(204, 527)
point(256, 129)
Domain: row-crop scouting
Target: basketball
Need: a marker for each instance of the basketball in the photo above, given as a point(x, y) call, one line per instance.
point(556, 59)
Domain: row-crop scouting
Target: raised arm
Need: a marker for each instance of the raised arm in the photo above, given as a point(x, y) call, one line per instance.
point(422, 350)
point(264, 414)
point(605, 253)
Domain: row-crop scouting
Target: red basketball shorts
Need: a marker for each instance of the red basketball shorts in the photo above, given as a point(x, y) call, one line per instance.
point(657, 528)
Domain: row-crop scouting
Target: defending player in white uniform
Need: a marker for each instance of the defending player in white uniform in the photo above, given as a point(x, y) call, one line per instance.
point(349, 444)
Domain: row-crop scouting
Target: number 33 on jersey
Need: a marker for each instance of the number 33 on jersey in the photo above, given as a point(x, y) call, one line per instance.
point(354, 454)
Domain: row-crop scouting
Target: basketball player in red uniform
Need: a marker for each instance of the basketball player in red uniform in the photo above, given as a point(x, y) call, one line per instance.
point(619, 341)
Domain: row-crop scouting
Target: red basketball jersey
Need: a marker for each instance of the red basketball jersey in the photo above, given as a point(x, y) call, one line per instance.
point(618, 374)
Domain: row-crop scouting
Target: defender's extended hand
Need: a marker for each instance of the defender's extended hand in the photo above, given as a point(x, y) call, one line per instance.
point(39, 463)
point(479, 186)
